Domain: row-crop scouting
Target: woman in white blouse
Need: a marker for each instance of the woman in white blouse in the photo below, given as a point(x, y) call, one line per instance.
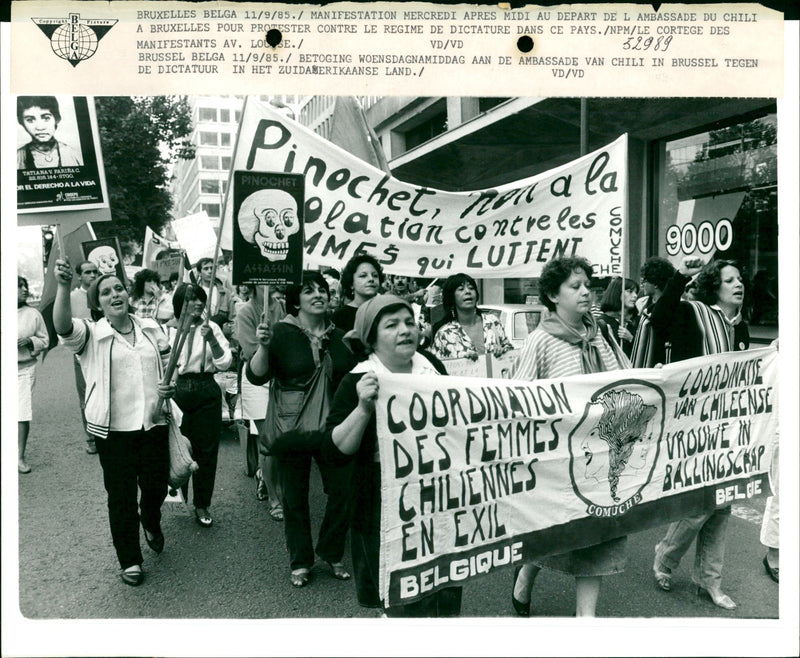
point(122, 358)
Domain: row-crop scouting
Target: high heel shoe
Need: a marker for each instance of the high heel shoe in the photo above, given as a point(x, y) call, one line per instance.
point(772, 572)
point(520, 607)
point(718, 598)
point(663, 578)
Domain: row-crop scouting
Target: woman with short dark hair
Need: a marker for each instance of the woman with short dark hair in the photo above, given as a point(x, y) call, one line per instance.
point(147, 298)
point(361, 280)
point(291, 352)
point(568, 341)
point(466, 333)
point(123, 359)
point(198, 395)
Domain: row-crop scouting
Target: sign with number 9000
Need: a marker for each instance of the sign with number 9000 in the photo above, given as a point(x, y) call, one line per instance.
point(705, 237)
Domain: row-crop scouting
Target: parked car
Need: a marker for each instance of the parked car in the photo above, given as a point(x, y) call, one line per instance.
point(518, 320)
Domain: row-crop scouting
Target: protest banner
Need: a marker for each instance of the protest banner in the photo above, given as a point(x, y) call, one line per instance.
point(196, 235)
point(467, 367)
point(511, 230)
point(59, 161)
point(480, 474)
point(106, 254)
point(267, 228)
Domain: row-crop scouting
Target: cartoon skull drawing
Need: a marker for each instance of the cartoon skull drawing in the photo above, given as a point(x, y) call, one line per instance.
point(105, 258)
point(267, 218)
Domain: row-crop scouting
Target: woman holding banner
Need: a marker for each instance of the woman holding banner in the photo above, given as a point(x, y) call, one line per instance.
point(569, 342)
point(385, 336)
point(304, 357)
point(466, 332)
point(205, 351)
point(361, 280)
point(712, 324)
point(122, 357)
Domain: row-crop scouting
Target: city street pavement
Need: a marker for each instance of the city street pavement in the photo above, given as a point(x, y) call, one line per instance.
point(239, 568)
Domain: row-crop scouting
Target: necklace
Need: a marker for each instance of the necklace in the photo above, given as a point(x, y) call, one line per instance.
point(47, 154)
point(131, 332)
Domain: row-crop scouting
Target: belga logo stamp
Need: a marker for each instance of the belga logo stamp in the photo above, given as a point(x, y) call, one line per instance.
point(614, 449)
point(74, 38)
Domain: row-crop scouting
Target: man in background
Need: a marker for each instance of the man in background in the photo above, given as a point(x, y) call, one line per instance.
point(87, 273)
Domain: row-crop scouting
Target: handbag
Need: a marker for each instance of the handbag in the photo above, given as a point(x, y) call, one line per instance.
point(296, 416)
point(181, 464)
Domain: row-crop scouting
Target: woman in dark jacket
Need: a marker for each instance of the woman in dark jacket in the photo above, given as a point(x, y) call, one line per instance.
point(290, 353)
point(611, 306)
point(385, 329)
point(710, 325)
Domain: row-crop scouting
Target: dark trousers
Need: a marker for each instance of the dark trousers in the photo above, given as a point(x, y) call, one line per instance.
point(365, 547)
point(130, 459)
point(200, 400)
point(295, 474)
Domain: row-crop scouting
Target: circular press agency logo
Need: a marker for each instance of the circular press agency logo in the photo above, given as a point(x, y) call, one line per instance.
point(614, 448)
point(74, 38)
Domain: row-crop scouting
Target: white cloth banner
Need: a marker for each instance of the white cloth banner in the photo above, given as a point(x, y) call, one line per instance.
point(478, 474)
point(512, 230)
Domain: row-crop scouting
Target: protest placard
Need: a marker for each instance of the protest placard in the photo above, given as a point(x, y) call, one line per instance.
point(267, 228)
point(478, 474)
point(59, 161)
point(196, 235)
point(106, 254)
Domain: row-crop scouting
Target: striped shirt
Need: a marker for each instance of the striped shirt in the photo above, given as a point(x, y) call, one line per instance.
point(546, 357)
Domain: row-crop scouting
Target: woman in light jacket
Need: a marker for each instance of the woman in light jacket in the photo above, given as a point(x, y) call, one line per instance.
point(122, 358)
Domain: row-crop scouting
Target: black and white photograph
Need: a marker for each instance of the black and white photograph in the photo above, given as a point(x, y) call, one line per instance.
point(462, 374)
point(58, 167)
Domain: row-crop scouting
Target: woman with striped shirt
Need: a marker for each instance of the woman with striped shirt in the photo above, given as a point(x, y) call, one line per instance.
point(569, 342)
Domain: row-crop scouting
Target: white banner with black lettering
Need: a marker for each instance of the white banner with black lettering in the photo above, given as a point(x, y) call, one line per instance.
point(512, 230)
point(478, 474)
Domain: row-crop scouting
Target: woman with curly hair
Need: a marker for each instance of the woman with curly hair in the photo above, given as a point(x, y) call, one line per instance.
point(362, 279)
point(147, 298)
point(466, 332)
point(569, 342)
point(711, 324)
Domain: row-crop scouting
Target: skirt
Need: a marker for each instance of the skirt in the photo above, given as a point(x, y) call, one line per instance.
point(603, 559)
point(254, 400)
point(26, 378)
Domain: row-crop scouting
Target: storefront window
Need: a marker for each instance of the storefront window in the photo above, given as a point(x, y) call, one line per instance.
point(718, 198)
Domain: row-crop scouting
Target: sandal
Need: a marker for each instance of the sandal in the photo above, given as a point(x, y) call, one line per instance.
point(300, 577)
point(339, 572)
point(276, 512)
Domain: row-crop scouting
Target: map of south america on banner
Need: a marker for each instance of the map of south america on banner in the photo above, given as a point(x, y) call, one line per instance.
point(478, 474)
point(511, 230)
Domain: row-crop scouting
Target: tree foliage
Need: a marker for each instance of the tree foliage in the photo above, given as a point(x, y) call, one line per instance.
point(140, 138)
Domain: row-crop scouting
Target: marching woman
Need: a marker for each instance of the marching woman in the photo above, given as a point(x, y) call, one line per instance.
point(467, 333)
point(294, 351)
point(32, 340)
point(362, 279)
point(712, 324)
point(122, 357)
point(205, 351)
point(385, 335)
point(569, 342)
